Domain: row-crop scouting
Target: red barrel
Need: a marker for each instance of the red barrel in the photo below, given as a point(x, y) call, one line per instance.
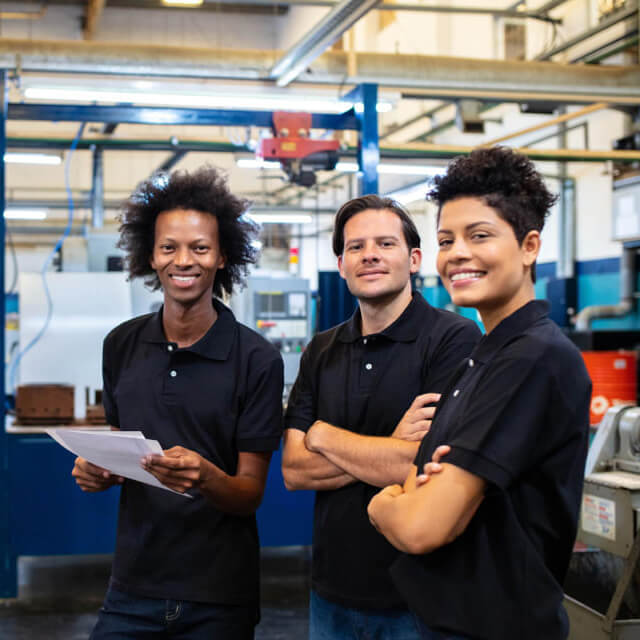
point(613, 374)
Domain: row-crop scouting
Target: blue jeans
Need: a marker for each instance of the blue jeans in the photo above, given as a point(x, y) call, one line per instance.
point(330, 621)
point(127, 617)
point(427, 633)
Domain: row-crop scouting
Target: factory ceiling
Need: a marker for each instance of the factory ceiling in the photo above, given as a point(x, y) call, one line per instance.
point(302, 46)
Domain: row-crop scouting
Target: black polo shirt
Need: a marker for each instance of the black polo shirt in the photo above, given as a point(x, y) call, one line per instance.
point(220, 396)
point(517, 415)
point(365, 384)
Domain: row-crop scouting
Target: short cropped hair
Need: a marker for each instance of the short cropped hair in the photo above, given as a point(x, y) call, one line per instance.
point(358, 205)
point(204, 190)
point(506, 181)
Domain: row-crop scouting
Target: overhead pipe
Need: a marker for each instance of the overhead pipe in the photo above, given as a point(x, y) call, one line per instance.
point(340, 19)
point(548, 123)
point(627, 286)
point(97, 188)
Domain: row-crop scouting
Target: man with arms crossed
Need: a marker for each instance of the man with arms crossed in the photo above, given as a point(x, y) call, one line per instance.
point(357, 412)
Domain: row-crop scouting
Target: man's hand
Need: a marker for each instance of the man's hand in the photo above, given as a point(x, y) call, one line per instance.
point(92, 478)
point(434, 466)
point(179, 469)
point(314, 434)
point(380, 500)
point(416, 421)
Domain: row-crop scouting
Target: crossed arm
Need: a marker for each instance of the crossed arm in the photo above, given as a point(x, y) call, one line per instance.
point(429, 511)
point(329, 457)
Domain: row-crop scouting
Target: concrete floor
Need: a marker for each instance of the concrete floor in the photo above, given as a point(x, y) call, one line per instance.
point(59, 597)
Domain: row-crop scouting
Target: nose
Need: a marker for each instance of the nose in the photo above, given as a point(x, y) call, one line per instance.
point(371, 252)
point(182, 257)
point(459, 250)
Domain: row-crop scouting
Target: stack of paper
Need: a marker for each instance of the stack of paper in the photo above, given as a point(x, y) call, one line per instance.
point(118, 451)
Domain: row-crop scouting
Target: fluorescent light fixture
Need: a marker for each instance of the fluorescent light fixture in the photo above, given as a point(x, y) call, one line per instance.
point(256, 163)
point(202, 97)
point(183, 3)
point(32, 158)
point(395, 169)
point(204, 100)
point(280, 218)
point(25, 214)
point(352, 167)
point(382, 106)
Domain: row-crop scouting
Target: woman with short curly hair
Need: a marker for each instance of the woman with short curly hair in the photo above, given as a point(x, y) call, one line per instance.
point(488, 538)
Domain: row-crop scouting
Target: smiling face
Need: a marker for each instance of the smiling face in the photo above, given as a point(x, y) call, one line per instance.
point(186, 255)
point(376, 261)
point(480, 261)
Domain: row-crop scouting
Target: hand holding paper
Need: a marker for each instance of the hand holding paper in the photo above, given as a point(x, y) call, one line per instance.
point(118, 451)
point(179, 468)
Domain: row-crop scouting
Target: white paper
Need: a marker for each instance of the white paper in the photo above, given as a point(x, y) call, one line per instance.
point(118, 451)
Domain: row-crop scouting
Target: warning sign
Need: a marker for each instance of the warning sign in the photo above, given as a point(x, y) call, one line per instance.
point(599, 516)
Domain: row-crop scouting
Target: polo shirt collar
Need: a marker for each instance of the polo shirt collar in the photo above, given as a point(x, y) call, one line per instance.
point(515, 324)
point(404, 329)
point(215, 344)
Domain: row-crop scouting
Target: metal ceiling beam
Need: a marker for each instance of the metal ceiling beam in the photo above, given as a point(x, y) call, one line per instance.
point(433, 76)
point(548, 6)
point(605, 50)
point(167, 116)
point(411, 151)
point(444, 151)
point(94, 12)
point(172, 161)
point(121, 144)
point(613, 19)
point(341, 18)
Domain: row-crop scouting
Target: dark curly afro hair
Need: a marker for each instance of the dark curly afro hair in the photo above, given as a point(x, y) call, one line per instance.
point(506, 181)
point(204, 190)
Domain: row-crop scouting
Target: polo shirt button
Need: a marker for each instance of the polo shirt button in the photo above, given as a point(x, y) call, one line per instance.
point(364, 341)
point(471, 362)
point(456, 392)
point(173, 373)
point(169, 347)
point(368, 366)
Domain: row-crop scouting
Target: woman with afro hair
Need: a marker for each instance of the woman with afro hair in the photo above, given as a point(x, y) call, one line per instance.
point(209, 390)
point(487, 517)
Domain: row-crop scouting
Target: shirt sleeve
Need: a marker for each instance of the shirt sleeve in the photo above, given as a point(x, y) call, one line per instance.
point(301, 407)
point(260, 421)
point(108, 400)
point(497, 432)
point(455, 346)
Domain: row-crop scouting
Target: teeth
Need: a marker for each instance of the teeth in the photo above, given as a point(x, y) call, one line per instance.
point(183, 278)
point(467, 275)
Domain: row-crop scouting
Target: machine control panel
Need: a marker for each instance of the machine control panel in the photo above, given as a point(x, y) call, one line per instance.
point(278, 309)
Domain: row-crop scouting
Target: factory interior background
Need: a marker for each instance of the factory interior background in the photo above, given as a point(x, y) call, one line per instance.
point(100, 94)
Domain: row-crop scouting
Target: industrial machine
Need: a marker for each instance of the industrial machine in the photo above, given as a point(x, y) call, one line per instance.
point(610, 521)
point(299, 155)
point(277, 308)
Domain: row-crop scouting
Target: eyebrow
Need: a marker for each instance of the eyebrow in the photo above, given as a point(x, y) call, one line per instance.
point(385, 237)
point(470, 227)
